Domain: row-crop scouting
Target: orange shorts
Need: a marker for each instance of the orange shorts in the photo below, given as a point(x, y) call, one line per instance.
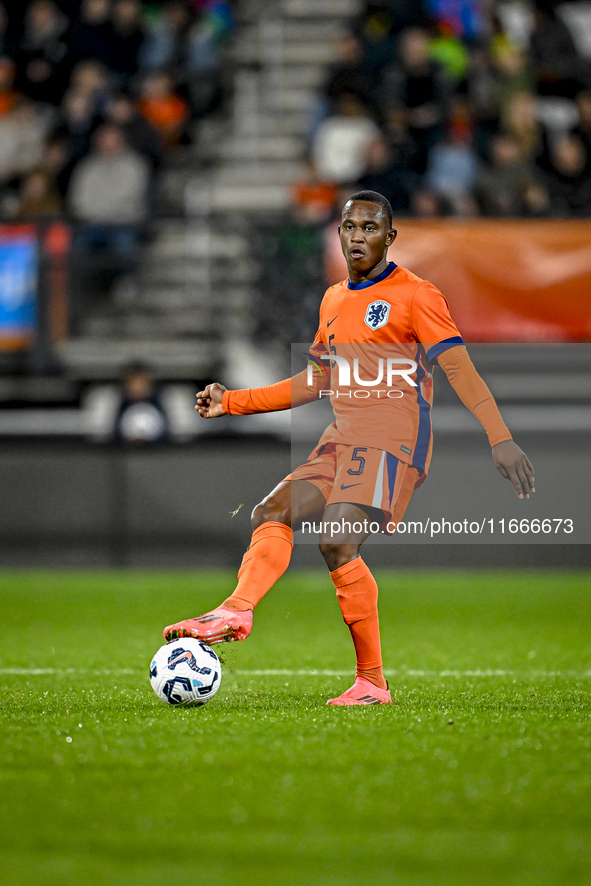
point(361, 476)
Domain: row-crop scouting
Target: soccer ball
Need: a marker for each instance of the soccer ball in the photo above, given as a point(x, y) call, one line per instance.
point(185, 672)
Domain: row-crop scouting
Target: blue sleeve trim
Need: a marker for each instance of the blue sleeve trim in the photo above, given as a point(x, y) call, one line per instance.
point(444, 345)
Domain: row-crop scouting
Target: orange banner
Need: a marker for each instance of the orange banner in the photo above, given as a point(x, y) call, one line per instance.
point(506, 281)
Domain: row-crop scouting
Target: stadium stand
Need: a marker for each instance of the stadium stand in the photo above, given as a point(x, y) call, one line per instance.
point(217, 116)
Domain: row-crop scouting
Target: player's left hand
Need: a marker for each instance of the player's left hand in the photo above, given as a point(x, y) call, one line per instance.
point(514, 465)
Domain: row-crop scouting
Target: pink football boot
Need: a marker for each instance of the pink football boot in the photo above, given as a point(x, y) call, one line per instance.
point(218, 626)
point(362, 692)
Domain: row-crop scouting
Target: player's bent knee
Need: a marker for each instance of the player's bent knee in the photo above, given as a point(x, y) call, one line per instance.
point(336, 556)
point(269, 511)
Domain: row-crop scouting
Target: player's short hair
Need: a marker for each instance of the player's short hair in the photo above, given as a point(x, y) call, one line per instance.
point(373, 197)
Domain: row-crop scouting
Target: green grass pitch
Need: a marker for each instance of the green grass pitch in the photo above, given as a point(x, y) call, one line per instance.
point(478, 774)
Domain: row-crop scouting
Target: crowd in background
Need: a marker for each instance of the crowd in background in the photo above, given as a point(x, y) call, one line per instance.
point(456, 107)
point(93, 95)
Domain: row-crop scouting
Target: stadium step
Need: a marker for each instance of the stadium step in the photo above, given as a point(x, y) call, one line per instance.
point(182, 240)
point(322, 8)
point(104, 358)
point(274, 34)
point(309, 52)
point(36, 389)
point(269, 173)
point(288, 99)
point(303, 76)
point(281, 123)
point(263, 148)
point(178, 323)
point(250, 198)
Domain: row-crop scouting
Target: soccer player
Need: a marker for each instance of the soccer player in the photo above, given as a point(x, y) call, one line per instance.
point(369, 461)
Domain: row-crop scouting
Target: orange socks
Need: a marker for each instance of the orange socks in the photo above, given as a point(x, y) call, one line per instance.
point(265, 561)
point(357, 593)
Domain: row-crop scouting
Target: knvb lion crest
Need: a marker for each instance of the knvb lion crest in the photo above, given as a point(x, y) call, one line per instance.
point(377, 314)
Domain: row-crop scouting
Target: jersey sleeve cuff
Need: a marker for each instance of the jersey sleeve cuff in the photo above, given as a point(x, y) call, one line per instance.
point(447, 343)
point(226, 402)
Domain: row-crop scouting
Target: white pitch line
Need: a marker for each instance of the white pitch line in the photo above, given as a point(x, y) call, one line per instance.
point(285, 672)
point(60, 672)
point(409, 673)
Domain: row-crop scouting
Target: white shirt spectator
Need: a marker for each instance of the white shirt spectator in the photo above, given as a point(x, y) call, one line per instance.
point(22, 139)
point(110, 185)
point(341, 144)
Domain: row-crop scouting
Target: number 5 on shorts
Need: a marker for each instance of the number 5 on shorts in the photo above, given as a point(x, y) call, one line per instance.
point(358, 458)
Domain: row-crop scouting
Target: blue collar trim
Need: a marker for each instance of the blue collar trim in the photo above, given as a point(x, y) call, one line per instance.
point(385, 273)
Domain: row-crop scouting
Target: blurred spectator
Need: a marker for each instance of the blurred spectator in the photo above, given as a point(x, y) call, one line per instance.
point(108, 194)
point(521, 120)
point(511, 71)
point(465, 18)
point(416, 82)
point(349, 74)
point(313, 198)
point(209, 36)
point(109, 186)
point(453, 162)
point(215, 23)
point(396, 14)
point(168, 42)
point(55, 164)
point(378, 37)
point(6, 42)
point(163, 107)
point(427, 204)
point(400, 142)
point(557, 64)
point(482, 94)
point(8, 94)
point(42, 51)
point(342, 141)
point(140, 135)
point(22, 139)
point(384, 175)
point(126, 39)
point(90, 35)
point(38, 198)
point(91, 78)
point(452, 171)
point(583, 129)
point(569, 178)
point(509, 185)
point(78, 120)
point(448, 51)
point(141, 418)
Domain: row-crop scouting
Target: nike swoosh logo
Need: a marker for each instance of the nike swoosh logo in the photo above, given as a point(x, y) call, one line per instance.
point(351, 485)
point(331, 322)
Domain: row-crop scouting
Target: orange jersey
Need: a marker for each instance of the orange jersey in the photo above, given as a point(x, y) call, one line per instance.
point(379, 340)
point(403, 321)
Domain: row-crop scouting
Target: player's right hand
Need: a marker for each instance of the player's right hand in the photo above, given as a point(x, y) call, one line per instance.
point(209, 401)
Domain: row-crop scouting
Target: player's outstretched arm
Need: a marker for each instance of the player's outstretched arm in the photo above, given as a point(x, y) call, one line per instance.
point(514, 465)
point(509, 459)
point(216, 400)
point(209, 401)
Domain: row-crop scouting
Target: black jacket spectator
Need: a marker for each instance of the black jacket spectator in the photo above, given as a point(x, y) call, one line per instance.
point(126, 38)
point(90, 35)
point(569, 179)
point(557, 63)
